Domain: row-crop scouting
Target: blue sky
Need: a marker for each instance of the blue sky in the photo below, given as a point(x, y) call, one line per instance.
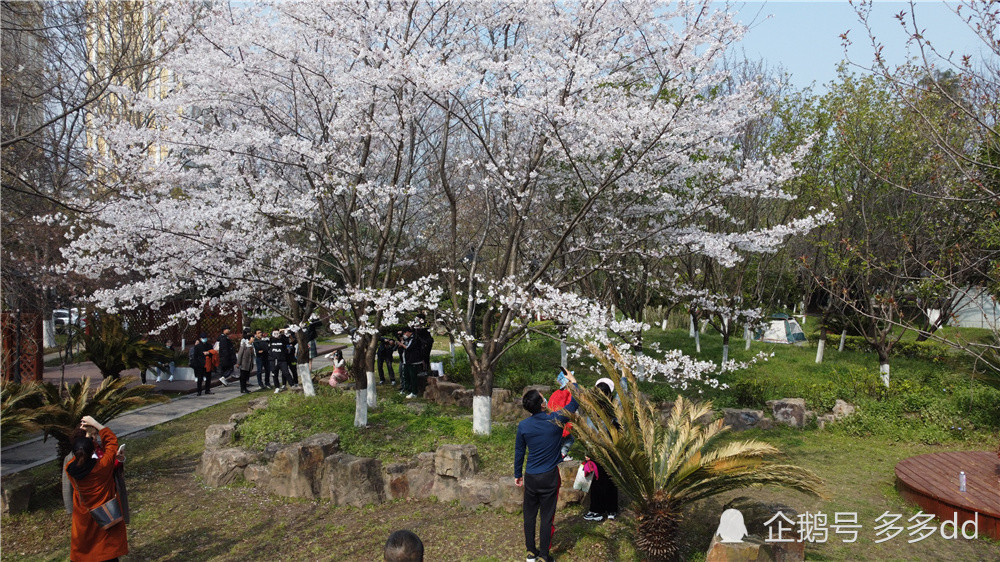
point(803, 36)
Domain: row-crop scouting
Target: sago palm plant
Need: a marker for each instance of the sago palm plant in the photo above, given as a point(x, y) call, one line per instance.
point(664, 468)
point(64, 408)
point(113, 348)
point(18, 404)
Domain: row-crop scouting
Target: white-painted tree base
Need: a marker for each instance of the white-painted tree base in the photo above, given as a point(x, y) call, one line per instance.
point(820, 348)
point(663, 325)
point(482, 411)
point(361, 408)
point(697, 342)
point(843, 340)
point(563, 354)
point(691, 330)
point(306, 380)
point(372, 395)
point(725, 353)
point(747, 337)
point(884, 370)
point(49, 333)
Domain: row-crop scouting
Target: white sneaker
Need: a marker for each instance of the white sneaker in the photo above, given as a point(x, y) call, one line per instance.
point(222, 380)
point(277, 390)
point(567, 458)
point(157, 379)
point(171, 379)
point(411, 395)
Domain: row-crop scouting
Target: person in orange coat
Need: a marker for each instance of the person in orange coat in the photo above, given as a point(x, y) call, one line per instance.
point(559, 400)
point(93, 485)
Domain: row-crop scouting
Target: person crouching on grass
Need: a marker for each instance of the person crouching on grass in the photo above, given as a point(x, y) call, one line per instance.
point(541, 435)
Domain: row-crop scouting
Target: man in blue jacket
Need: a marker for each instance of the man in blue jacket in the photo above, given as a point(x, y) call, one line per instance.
point(541, 434)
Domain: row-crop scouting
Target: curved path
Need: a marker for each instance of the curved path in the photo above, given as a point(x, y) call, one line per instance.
point(34, 452)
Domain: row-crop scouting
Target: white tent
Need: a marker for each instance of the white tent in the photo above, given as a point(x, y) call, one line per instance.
point(782, 328)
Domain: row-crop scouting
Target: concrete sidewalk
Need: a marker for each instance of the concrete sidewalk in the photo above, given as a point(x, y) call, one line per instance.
point(35, 452)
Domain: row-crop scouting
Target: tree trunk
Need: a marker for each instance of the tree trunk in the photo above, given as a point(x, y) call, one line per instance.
point(747, 337)
point(361, 407)
point(563, 353)
point(482, 407)
point(883, 366)
point(821, 346)
point(691, 330)
point(843, 340)
point(49, 333)
point(697, 342)
point(360, 382)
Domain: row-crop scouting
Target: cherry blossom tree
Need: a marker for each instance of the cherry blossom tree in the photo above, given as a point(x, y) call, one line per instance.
point(336, 156)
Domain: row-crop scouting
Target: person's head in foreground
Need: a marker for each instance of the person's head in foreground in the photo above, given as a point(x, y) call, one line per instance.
point(532, 401)
point(404, 546)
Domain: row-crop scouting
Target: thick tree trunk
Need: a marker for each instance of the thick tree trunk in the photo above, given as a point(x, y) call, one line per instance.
point(361, 407)
point(48, 333)
point(482, 407)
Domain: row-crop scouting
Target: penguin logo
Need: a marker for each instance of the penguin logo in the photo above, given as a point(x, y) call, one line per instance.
point(731, 526)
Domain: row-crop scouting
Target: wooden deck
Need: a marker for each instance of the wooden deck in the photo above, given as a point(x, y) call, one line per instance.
point(931, 482)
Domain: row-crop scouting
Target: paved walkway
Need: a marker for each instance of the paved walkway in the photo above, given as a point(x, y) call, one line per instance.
point(35, 452)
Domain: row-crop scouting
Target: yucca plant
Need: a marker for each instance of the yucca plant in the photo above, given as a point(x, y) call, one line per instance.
point(664, 468)
point(18, 404)
point(64, 408)
point(114, 349)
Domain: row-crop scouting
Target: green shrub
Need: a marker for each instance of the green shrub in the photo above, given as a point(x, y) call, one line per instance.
point(750, 393)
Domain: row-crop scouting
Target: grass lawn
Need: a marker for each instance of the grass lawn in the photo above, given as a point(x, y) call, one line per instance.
point(176, 518)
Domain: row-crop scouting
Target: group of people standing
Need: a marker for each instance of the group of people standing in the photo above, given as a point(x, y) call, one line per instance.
point(274, 357)
point(413, 344)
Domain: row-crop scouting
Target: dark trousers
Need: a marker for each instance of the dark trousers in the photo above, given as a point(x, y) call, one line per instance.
point(603, 493)
point(540, 494)
point(409, 377)
point(388, 363)
point(262, 369)
point(203, 375)
point(244, 377)
point(294, 369)
point(282, 367)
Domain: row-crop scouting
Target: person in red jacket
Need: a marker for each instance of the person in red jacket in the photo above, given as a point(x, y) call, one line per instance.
point(93, 484)
point(558, 401)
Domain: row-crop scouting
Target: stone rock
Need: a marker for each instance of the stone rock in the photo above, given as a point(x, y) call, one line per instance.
point(474, 492)
point(219, 436)
point(420, 482)
point(441, 392)
point(296, 470)
point(821, 421)
point(416, 407)
point(456, 461)
point(272, 449)
point(511, 496)
point(15, 494)
point(789, 411)
point(446, 488)
point(750, 550)
point(765, 424)
point(397, 485)
point(257, 404)
point(221, 467)
point(842, 409)
point(425, 461)
point(544, 389)
point(350, 480)
point(259, 475)
point(740, 419)
point(463, 398)
point(500, 395)
point(238, 417)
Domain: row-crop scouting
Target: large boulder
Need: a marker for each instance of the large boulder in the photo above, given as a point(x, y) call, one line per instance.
point(15, 493)
point(350, 480)
point(259, 475)
point(456, 461)
point(754, 549)
point(296, 470)
point(221, 467)
point(740, 419)
point(474, 492)
point(219, 436)
point(257, 404)
point(789, 411)
point(397, 485)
